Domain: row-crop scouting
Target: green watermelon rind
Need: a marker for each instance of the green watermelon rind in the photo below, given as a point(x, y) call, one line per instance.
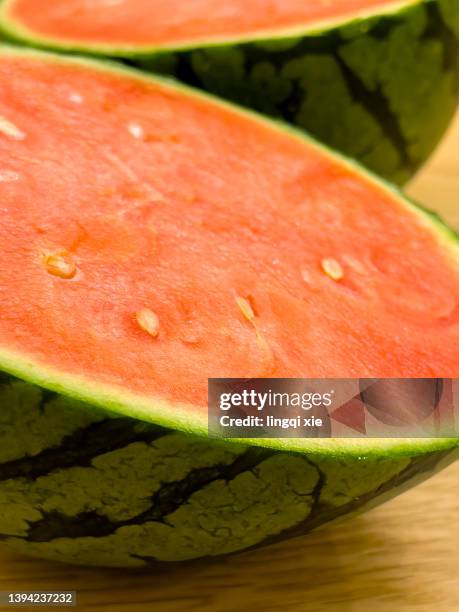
point(180, 417)
point(380, 86)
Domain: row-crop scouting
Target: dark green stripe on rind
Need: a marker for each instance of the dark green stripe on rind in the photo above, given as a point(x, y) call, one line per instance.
point(81, 447)
point(82, 440)
point(165, 501)
point(86, 488)
point(418, 467)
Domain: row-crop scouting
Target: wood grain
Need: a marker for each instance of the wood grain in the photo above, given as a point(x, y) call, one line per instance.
point(400, 557)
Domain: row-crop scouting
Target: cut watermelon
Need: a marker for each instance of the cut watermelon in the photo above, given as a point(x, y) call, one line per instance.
point(152, 237)
point(376, 79)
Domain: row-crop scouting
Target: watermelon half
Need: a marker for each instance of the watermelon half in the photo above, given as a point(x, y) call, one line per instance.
point(375, 79)
point(152, 237)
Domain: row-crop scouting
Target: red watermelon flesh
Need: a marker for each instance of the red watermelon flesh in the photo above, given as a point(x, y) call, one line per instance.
point(152, 237)
point(143, 22)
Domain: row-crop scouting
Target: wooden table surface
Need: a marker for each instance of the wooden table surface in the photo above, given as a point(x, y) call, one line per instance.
point(401, 557)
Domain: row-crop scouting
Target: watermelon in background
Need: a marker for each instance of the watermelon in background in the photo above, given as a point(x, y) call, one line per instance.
point(375, 79)
point(153, 237)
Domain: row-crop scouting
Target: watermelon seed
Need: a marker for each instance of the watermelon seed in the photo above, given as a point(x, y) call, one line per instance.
point(245, 308)
point(11, 130)
point(332, 269)
point(136, 131)
point(148, 321)
point(60, 264)
point(76, 98)
point(8, 176)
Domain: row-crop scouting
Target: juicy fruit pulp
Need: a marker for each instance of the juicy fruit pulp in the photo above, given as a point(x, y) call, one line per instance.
point(375, 80)
point(157, 24)
point(155, 239)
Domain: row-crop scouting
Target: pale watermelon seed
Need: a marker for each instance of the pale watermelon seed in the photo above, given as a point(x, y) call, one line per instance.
point(148, 321)
point(136, 131)
point(332, 268)
point(11, 130)
point(76, 98)
point(60, 264)
point(245, 308)
point(8, 176)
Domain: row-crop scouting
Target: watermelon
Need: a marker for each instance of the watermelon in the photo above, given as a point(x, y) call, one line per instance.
point(375, 79)
point(153, 237)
